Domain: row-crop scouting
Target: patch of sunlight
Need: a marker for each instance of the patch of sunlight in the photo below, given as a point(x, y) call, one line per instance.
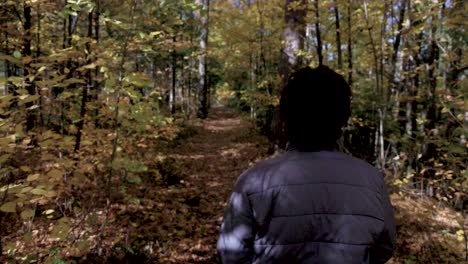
point(232, 152)
point(191, 156)
point(223, 125)
point(214, 184)
point(230, 240)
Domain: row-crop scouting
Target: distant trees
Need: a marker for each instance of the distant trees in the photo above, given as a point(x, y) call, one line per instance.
point(82, 80)
point(403, 60)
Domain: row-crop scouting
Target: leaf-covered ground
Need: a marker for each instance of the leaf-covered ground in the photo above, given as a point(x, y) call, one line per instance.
point(177, 220)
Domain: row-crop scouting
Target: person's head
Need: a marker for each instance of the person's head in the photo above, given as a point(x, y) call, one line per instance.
point(314, 106)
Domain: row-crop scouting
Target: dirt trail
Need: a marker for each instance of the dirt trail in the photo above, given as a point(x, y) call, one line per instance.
point(224, 146)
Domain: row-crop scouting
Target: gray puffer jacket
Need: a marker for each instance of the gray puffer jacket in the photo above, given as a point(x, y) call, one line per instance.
point(308, 207)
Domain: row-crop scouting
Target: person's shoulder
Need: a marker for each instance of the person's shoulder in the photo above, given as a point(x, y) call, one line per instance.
point(253, 179)
point(358, 162)
point(364, 168)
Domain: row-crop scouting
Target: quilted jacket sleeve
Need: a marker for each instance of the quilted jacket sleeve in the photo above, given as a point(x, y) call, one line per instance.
point(382, 251)
point(235, 242)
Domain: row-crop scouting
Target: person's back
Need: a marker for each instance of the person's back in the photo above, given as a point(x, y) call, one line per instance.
point(309, 207)
point(311, 204)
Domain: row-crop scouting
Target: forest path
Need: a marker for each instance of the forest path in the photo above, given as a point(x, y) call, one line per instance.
point(210, 162)
point(179, 223)
point(226, 145)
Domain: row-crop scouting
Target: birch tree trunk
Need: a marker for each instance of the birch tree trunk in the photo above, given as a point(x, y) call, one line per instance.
point(202, 60)
point(293, 37)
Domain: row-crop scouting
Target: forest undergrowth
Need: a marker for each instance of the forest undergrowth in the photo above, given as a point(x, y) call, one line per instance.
point(174, 213)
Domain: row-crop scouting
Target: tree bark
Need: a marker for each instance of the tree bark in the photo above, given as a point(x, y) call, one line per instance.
point(89, 84)
point(431, 150)
point(202, 61)
point(394, 88)
point(172, 94)
point(293, 37)
point(317, 32)
point(338, 35)
point(379, 146)
point(350, 42)
point(27, 54)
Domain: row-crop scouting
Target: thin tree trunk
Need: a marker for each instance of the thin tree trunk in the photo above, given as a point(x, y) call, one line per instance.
point(202, 64)
point(394, 88)
point(89, 84)
point(95, 88)
point(317, 32)
point(27, 53)
point(350, 42)
point(431, 116)
point(456, 67)
point(189, 81)
point(338, 35)
point(38, 54)
point(172, 94)
point(379, 147)
point(8, 71)
point(383, 40)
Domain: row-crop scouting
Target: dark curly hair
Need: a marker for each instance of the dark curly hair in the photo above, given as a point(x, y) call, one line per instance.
point(314, 106)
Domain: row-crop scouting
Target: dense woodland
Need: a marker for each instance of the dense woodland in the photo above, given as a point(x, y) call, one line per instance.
point(95, 94)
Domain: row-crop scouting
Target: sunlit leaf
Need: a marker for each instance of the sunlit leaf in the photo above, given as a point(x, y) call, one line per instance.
point(27, 214)
point(17, 54)
point(9, 207)
point(33, 177)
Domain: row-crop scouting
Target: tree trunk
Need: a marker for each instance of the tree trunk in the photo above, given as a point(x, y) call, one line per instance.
point(8, 71)
point(317, 32)
point(89, 84)
point(293, 37)
point(456, 67)
point(350, 48)
point(95, 89)
point(27, 53)
point(38, 54)
point(379, 147)
point(202, 63)
point(394, 87)
point(431, 151)
point(172, 94)
point(338, 35)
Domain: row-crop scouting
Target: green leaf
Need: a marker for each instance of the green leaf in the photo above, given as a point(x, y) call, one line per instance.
point(39, 191)
point(61, 230)
point(17, 54)
point(135, 201)
point(54, 174)
point(9, 207)
point(25, 168)
point(26, 214)
point(4, 158)
point(33, 177)
point(29, 98)
point(134, 179)
point(51, 194)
